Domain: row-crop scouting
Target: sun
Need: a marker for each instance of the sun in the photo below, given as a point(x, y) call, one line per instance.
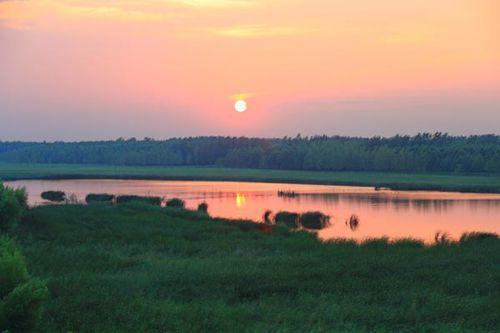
point(240, 106)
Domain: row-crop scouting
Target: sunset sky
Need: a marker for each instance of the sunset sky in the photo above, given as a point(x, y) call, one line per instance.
point(101, 69)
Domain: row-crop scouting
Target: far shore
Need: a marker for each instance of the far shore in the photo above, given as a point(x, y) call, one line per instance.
point(476, 183)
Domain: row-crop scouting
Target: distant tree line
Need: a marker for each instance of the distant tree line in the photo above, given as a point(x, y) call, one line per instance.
point(424, 152)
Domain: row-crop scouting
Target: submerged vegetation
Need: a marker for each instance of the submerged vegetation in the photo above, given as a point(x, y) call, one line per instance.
point(287, 194)
point(143, 268)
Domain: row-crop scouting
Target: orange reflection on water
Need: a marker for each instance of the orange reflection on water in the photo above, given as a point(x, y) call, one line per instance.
point(380, 213)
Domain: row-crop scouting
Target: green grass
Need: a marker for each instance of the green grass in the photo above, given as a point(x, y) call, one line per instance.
point(137, 268)
point(397, 181)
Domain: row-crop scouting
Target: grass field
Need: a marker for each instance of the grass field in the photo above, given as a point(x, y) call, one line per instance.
point(397, 181)
point(137, 268)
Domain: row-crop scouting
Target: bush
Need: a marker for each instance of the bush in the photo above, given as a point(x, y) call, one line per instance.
point(289, 219)
point(175, 203)
point(20, 296)
point(12, 204)
point(55, 196)
point(203, 208)
point(12, 267)
point(101, 197)
point(156, 201)
point(314, 220)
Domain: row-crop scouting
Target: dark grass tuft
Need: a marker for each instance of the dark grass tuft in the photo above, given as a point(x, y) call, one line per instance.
point(477, 236)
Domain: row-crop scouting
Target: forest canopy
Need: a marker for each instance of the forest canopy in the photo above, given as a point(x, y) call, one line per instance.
point(424, 152)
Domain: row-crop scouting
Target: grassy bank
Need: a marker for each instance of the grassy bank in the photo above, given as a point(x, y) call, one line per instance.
point(397, 181)
point(136, 268)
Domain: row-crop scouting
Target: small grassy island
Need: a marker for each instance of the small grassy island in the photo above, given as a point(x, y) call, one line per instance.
point(137, 267)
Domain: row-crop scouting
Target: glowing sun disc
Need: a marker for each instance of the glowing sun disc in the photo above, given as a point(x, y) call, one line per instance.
point(240, 106)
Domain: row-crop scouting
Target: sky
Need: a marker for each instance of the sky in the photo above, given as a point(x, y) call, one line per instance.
point(103, 69)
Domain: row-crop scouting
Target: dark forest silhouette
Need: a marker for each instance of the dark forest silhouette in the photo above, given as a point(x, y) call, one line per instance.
point(425, 152)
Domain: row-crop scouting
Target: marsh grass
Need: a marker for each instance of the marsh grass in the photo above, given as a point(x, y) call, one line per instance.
point(121, 199)
point(142, 268)
point(477, 236)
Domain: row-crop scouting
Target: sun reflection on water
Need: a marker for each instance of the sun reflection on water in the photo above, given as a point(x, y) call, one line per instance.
point(240, 200)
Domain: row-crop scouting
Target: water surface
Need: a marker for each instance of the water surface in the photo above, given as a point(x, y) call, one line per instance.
point(395, 214)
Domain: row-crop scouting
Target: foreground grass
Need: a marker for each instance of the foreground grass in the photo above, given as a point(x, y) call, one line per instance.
point(397, 181)
point(136, 268)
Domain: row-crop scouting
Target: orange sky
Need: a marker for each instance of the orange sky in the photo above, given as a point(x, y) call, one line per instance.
point(76, 69)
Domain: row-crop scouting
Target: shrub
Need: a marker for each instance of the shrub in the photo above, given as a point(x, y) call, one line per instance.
point(314, 220)
point(203, 208)
point(100, 197)
point(55, 196)
point(20, 296)
point(21, 196)
point(175, 203)
point(156, 201)
point(12, 204)
point(12, 267)
point(289, 219)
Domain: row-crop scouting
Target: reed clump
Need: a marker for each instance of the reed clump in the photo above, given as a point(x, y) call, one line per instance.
point(288, 219)
point(314, 220)
point(54, 196)
point(176, 203)
point(203, 208)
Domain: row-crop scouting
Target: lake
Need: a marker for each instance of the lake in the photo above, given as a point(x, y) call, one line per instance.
point(395, 214)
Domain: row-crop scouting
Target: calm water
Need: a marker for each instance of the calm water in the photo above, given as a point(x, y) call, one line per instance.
point(394, 214)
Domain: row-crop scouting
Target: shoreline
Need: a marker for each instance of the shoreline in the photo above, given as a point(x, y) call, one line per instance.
point(487, 184)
